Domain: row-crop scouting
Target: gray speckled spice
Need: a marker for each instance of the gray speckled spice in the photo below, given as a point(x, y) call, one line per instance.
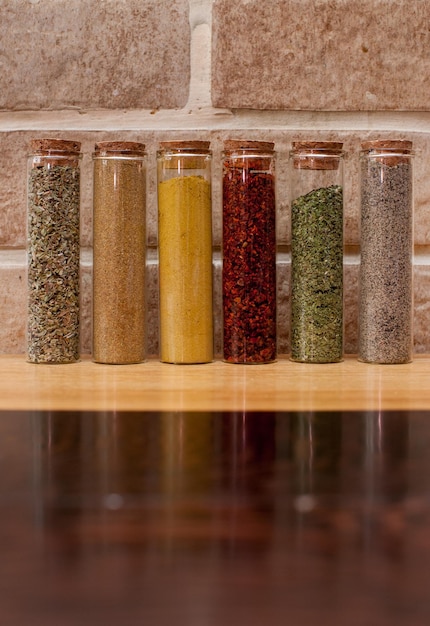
point(385, 307)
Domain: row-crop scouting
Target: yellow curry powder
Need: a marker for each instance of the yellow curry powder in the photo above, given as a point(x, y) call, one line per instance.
point(185, 270)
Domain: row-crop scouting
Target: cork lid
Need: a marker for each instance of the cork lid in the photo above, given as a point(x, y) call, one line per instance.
point(54, 145)
point(316, 155)
point(188, 146)
point(231, 145)
point(388, 151)
point(117, 148)
point(319, 146)
point(399, 145)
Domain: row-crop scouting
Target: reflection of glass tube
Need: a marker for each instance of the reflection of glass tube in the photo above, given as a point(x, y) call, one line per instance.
point(385, 442)
point(386, 445)
point(187, 451)
point(248, 446)
point(38, 472)
point(64, 438)
point(61, 439)
point(316, 450)
point(128, 452)
point(248, 452)
point(186, 473)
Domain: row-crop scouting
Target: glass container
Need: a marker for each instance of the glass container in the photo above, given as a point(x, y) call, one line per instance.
point(249, 252)
point(317, 252)
point(53, 247)
point(185, 252)
point(386, 242)
point(119, 252)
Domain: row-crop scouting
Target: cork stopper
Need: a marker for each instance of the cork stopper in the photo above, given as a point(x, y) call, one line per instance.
point(316, 155)
point(388, 152)
point(119, 148)
point(49, 146)
point(184, 155)
point(54, 152)
point(187, 146)
point(232, 145)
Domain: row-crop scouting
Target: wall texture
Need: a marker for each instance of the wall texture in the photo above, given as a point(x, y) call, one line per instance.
point(152, 70)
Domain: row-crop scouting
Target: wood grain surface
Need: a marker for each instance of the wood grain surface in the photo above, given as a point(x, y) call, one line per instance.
point(216, 386)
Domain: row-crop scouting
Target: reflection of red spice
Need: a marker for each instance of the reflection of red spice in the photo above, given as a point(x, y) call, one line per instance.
point(249, 258)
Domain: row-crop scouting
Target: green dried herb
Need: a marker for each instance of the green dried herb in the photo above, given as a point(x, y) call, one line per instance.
point(317, 276)
point(53, 264)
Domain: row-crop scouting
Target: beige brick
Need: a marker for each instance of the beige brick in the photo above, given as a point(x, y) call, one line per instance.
point(13, 189)
point(13, 211)
point(13, 296)
point(421, 319)
point(13, 307)
point(422, 309)
point(13, 196)
point(151, 308)
point(86, 285)
point(13, 303)
point(421, 165)
point(321, 55)
point(15, 146)
point(93, 54)
point(283, 306)
point(152, 327)
point(350, 308)
point(13, 165)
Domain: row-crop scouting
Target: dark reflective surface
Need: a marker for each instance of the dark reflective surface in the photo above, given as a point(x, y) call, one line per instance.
point(215, 518)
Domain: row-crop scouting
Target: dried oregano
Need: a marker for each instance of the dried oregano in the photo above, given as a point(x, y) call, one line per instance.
point(53, 263)
point(317, 276)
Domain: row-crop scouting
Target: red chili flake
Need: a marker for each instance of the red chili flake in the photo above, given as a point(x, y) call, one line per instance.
point(249, 261)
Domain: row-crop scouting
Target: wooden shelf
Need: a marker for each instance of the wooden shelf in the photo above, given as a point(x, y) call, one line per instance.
point(217, 386)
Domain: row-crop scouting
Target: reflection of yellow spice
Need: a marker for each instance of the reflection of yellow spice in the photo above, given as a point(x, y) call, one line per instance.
point(185, 267)
point(186, 451)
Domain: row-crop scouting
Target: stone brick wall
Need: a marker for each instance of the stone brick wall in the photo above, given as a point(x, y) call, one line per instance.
point(153, 70)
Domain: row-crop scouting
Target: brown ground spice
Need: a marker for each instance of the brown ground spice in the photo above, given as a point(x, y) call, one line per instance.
point(119, 261)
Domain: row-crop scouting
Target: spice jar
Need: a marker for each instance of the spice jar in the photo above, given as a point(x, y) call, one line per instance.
point(119, 248)
point(53, 251)
point(385, 300)
point(249, 252)
point(185, 252)
point(317, 252)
